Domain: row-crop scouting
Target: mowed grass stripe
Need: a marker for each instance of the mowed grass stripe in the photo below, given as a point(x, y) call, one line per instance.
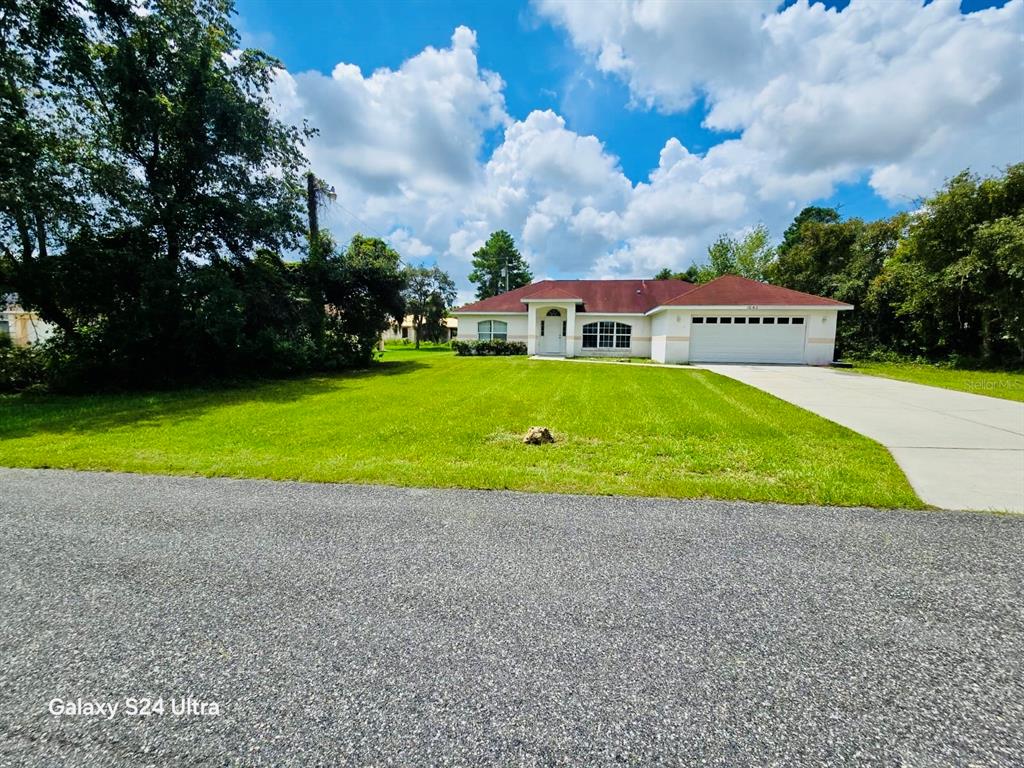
point(1005, 385)
point(432, 419)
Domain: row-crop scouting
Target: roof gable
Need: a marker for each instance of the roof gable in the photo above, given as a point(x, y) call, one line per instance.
point(553, 293)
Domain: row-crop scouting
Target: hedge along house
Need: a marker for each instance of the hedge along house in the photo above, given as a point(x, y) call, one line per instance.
point(728, 320)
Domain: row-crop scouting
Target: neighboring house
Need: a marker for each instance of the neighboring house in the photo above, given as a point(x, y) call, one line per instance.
point(23, 327)
point(730, 319)
point(406, 332)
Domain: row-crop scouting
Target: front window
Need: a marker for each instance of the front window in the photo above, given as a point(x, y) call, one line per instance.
point(606, 335)
point(492, 330)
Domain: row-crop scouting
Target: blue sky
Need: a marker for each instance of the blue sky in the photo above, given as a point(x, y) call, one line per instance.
point(551, 56)
point(539, 66)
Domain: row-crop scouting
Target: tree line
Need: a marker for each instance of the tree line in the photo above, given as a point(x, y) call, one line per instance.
point(942, 283)
point(152, 206)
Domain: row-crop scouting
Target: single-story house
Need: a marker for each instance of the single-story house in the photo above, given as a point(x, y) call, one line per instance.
point(405, 331)
point(728, 320)
point(23, 327)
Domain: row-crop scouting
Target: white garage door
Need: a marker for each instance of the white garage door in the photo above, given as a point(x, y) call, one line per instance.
point(749, 339)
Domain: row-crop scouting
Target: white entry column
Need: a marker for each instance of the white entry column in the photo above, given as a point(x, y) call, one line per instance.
point(570, 331)
point(531, 330)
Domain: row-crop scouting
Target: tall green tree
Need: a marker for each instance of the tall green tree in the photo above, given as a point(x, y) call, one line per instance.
point(749, 257)
point(361, 290)
point(498, 266)
point(147, 171)
point(946, 282)
point(691, 274)
point(429, 294)
point(812, 214)
point(46, 165)
point(957, 278)
point(147, 192)
point(827, 256)
point(816, 252)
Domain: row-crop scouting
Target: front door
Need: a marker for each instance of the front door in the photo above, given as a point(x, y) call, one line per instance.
point(551, 340)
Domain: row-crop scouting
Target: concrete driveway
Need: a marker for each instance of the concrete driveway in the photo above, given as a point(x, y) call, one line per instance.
point(959, 451)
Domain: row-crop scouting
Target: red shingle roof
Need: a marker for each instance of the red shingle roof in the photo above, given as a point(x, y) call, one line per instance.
point(630, 296)
point(732, 290)
point(639, 296)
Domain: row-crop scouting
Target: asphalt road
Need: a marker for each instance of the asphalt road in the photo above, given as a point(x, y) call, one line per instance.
point(369, 625)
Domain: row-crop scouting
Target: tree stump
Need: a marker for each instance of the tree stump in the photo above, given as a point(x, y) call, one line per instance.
point(538, 436)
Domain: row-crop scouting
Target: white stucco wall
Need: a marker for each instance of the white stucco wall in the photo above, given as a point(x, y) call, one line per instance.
point(663, 336)
point(516, 325)
point(518, 330)
point(820, 341)
point(639, 336)
point(670, 336)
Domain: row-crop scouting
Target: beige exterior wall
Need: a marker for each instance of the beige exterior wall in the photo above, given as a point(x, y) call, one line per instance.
point(405, 332)
point(24, 327)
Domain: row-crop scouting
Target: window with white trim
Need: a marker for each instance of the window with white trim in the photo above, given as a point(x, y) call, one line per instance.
point(606, 334)
point(492, 330)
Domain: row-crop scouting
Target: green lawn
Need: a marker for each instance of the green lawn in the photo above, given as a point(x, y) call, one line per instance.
point(1004, 384)
point(433, 419)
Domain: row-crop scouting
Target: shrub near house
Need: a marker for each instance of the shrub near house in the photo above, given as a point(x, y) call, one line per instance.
point(489, 347)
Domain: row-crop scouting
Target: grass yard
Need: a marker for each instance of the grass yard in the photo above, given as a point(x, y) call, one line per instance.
point(433, 419)
point(1008, 385)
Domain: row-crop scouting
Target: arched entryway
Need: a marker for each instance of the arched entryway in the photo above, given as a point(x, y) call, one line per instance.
point(552, 333)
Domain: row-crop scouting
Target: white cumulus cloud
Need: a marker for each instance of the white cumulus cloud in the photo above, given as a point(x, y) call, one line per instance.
point(901, 94)
point(906, 93)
